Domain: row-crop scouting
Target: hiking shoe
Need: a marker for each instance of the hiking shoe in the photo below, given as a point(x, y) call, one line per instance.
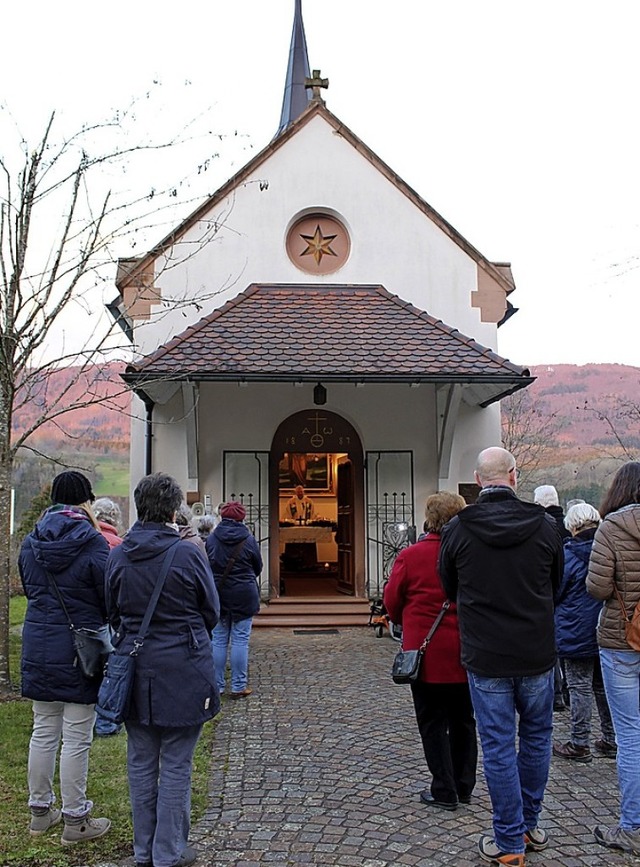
point(489, 851)
point(188, 857)
point(618, 838)
point(606, 749)
point(86, 829)
point(535, 839)
point(571, 751)
point(243, 693)
point(40, 824)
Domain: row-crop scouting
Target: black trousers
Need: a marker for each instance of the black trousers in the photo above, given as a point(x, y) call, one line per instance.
point(448, 730)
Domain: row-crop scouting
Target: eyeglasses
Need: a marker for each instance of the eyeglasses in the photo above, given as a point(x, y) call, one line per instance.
point(516, 471)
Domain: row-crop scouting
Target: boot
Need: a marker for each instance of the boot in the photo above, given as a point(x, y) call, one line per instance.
point(78, 830)
point(43, 818)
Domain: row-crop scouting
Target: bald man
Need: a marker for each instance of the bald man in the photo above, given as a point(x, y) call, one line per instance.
point(501, 561)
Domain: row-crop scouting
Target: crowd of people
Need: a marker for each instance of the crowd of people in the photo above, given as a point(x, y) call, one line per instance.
point(540, 606)
point(529, 603)
point(78, 568)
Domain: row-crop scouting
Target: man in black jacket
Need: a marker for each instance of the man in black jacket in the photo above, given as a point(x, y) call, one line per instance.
point(501, 561)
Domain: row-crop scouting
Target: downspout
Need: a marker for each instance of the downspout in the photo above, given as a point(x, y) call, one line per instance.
point(148, 434)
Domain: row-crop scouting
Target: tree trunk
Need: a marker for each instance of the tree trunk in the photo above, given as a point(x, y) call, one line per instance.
point(5, 566)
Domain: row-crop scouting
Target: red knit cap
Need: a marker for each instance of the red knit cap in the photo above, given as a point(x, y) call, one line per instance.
point(233, 510)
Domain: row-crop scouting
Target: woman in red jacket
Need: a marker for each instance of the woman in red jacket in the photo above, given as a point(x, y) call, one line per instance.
point(413, 596)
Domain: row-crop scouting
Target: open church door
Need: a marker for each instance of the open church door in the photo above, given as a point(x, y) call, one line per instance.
point(320, 452)
point(345, 535)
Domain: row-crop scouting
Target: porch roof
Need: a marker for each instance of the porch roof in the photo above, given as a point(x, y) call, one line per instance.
point(347, 333)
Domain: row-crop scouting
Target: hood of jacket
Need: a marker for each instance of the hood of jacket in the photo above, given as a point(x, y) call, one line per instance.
point(500, 519)
point(231, 532)
point(627, 520)
point(59, 537)
point(146, 540)
point(580, 546)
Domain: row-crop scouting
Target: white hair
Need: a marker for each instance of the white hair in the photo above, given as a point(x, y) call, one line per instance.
point(580, 515)
point(546, 495)
point(106, 510)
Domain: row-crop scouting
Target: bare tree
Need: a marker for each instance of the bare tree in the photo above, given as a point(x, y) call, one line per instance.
point(62, 210)
point(527, 432)
point(620, 418)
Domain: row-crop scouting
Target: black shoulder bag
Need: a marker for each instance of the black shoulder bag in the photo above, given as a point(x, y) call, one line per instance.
point(114, 695)
point(92, 646)
point(407, 663)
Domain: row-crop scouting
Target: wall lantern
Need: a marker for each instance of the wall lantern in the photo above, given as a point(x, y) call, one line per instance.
point(319, 394)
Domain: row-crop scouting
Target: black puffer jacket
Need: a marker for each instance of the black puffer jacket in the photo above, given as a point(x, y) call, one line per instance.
point(66, 544)
point(501, 560)
point(615, 559)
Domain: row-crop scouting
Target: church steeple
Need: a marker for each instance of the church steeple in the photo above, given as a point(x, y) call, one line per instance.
point(296, 95)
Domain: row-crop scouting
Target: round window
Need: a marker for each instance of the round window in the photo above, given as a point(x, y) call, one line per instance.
point(318, 244)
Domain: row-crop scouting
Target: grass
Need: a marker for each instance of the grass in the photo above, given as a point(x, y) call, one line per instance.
point(107, 787)
point(112, 477)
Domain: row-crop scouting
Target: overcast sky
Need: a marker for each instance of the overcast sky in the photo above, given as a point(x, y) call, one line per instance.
point(517, 121)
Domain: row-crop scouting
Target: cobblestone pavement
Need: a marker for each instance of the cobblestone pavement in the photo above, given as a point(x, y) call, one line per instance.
point(322, 765)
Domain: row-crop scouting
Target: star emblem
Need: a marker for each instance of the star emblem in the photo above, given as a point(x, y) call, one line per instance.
point(318, 245)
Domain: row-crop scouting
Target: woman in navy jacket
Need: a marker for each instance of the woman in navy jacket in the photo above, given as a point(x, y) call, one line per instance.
point(576, 618)
point(66, 547)
point(174, 690)
point(239, 594)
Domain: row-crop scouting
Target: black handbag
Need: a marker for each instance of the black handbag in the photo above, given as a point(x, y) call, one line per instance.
point(407, 663)
point(92, 646)
point(114, 695)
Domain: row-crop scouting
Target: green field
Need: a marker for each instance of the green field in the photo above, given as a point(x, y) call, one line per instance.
point(112, 476)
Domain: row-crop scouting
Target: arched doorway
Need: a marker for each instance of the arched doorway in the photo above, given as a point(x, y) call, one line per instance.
point(321, 544)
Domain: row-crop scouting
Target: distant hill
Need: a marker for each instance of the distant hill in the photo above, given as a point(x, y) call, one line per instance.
point(97, 426)
point(574, 397)
point(577, 397)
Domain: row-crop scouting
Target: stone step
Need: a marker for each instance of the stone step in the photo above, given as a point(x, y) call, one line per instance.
point(308, 611)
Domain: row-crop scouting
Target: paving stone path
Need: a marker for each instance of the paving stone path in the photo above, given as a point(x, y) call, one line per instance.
point(322, 765)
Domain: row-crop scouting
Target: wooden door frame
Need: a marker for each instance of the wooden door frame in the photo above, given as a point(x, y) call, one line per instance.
point(318, 430)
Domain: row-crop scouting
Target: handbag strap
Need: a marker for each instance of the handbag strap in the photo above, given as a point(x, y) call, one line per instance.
point(231, 561)
point(623, 610)
point(138, 641)
point(445, 607)
point(60, 599)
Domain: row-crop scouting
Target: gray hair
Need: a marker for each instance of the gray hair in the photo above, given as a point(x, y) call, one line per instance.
point(106, 510)
point(157, 498)
point(545, 496)
point(581, 515)
point(204, 525)
point(184, 515)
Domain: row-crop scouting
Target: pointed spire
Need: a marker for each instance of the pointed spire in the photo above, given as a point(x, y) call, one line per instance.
point(296, 96)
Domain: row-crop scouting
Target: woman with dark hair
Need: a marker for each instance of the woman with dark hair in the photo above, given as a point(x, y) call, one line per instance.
point(174, 690)
point(414, 596)
point(65, 551)
point(236, 563)
point(614, 576)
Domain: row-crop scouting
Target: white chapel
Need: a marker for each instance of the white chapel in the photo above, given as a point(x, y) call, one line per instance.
point(348, 346)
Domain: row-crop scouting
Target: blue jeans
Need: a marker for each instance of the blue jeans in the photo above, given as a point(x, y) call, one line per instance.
point(159, 763)
point(621, 675)
point(235, 635)
point(516, 778)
